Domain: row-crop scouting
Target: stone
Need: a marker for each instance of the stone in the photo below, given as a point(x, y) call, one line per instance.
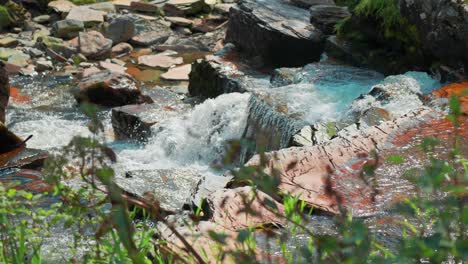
point(316, 134)
point(24, 158)
point(459, 90)
point(179, 21)
point(61, 6)
point(112, 67)
point(228, 207)
point(278, 32)
point(146, 7)
point(94, 45)
point(146, 39)
point(21, 59)
point(311, 172)
point(181, 45)
point(309, 3)
point(374, 116)
point(159, 61)
point(121, 49)
point(119, 29)
point(109, 89)
point(183, 7)
point(222, 9)
point(106, 7)
point(4, 91)
point(180, 73)
point(42, 19)
point(8, 140)
point(44, 65)
point(6, 53)
point(67, 28)
point(8, 42)
point(172, 188)
point(86, 15)
point(325, 17)
point(58, 46)
point(136, 122)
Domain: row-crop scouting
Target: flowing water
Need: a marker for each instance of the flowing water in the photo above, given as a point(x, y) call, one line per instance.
point(196, 139)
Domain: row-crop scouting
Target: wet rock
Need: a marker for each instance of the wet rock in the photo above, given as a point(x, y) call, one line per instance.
point(112, 67)
point(119, 29)
point(86, 15)
point(284, 76)
point(137, 121)
point(110, 89)
point(172, 188)
point(374, 116)
point(343, 50)
point(311, 172)
point(183, 7)
point(8, 140)
point(180, 73)
point(319, 133)
point(439, 23)
point(309, 3)
point(275, 30)
point(21, 60)
point(67, 28)
point(159, 61)
point(325, 17)
point(8, 42)
point(25, 159)
point(147, 39)
point(4, 91)
point(459, 89)
point(61, 6)
point(121, 49)
point(30, 180)
point(210, 78)
point(94, 45)
point(229, 208)
point(44, 65)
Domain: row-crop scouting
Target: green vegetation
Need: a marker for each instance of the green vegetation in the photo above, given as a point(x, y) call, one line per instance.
point(95, 212)
point(5, 18)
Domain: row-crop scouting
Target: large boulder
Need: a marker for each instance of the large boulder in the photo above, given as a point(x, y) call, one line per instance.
point(325, 17)
point(119, 29)
point(442, 27)
point(110, 89)
point(4, 91)
point(278, 32)
point(94, 45)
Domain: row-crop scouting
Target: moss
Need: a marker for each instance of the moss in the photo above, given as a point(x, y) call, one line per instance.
point(5, 18)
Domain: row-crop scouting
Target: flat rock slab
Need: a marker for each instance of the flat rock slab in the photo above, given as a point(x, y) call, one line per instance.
point(276, 30)
point(26, 158)
point(172, 188)
point(86, 15)
point(307, 171)
point(159, 61)
point(61, 6)
point(147, 39)
point(229, 208)
point(180, 73)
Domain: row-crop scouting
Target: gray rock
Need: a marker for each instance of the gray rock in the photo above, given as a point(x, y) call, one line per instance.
point(277, 31)
point(67, 28)
point(43, 65)
point(325, 17)
point(309, 3)
point(172, 188)
point(146, 39)
point(94, 45)
point(121, 49)
point(42, 19)
point(86, 15)
point(184, 7)
point(119, 29)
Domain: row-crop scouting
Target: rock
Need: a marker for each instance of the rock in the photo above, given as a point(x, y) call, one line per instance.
point(137, 121)
point(120, 29)
point(86, 15)
point(4, 91)
point(280, 33)
point(183, 7)
point(374, 116)
point(179, 21)
point(180, 73)
point(228, 208)
point(146, 7)
point(121, 49)
point(110, 89)
point(58, 46)
point(8, 42)
point(112, 67)
point(325, 17)
point(42, 19)
point(309, 3)
point(6, 53)
point(439, 23)
point(29, 180)
point(106, 7)
point(21, 60)
point(172, 188)
point(159, 61)
point(24, 158)
point(317, 134)
point(146, 39)
point(61, 6)
point(209, 78)
point(67, 28)
point(222, 9)
point(181, 45)
point(310, 172)
point(459, 89)
point(94, 45)
point(8, 140)
point(44, 65)
point(284, 76)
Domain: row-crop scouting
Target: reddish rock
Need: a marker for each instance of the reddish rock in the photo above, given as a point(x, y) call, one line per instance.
point(159, 61)
point(459, 89)
point(121, 49)
point(230, 208)
point(30, 180)
point(17, 97)
point(180, 73)
point(94, 45)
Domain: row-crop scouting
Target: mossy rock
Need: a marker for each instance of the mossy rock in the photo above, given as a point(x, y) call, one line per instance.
point(5, 18)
